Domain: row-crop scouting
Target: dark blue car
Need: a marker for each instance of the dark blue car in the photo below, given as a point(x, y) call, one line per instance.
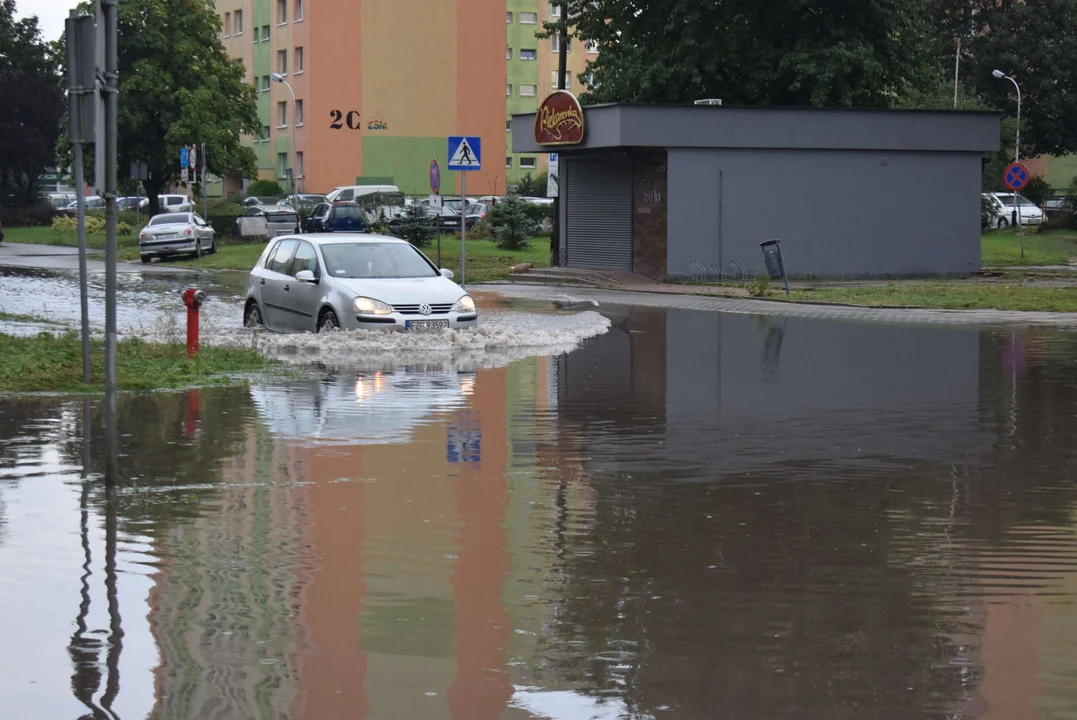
point(338, 217)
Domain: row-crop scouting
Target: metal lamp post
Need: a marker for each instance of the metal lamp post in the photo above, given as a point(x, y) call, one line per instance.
point(277, 77)
point(1016, 215)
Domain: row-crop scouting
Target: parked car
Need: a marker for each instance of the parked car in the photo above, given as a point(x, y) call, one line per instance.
point(302, 201)
point(93, 202)
point(349, 193)
point(176, 234)
point(168, 204)
point(262, 201)
point(313, 283)
point(1003, 204)
point(1055, 204)
point(474, 213)
point(337, 217)
point(447, 220)
point(279, 220)
point(60, 201)
point(130, 202)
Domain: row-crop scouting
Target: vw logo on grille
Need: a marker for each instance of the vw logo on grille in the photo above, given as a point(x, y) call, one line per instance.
point(425, 309)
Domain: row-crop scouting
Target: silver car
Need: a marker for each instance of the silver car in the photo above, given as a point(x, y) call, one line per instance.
point(176, 234)
point(312, 283)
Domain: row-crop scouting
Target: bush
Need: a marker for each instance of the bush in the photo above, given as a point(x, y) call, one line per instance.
point(513, 223)
point(379, 223)
point(482, 230)
point(760, 287)
point(1037, 190)
point(39, 214)
point(267, 188)
point(94, 224)
point(414, 226)
point(533, 186)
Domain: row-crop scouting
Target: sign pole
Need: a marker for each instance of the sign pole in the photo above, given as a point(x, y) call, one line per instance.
point(75, 128)
point(111, 97)
point(205, 196)
point(463, 229)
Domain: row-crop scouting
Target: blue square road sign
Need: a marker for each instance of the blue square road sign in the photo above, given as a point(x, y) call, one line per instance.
point(465, 153)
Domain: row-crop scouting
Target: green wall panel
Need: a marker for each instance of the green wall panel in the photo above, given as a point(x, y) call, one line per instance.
point(407, 161)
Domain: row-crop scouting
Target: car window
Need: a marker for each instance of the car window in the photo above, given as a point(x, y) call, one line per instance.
point(376, 260)
point(252, 212)
point(347, 211)
point(282, 256)
point(282, 217)
point(175, 201)
point(320, 210)
point(170, 219)
point(346, 195)
point(305, 259)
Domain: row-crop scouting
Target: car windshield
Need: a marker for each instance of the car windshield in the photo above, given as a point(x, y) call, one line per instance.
point(375, 261)
point(281, 217)
point(171, 219)
point(348, 211)
point(1007, 200)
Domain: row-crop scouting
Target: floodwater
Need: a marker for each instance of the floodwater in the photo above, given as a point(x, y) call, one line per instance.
point(692, 515)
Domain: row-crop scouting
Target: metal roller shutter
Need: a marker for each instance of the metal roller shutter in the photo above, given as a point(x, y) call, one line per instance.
point(598, 232)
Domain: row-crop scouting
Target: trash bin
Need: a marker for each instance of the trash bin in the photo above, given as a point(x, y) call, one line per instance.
point(772, 258)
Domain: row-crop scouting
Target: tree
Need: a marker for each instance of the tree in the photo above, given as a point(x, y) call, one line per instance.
point(1033, 40)
point(33, 106)
point(265, 188)
point(513, 223)
point(532, 186)
point(179, 87)
point(753, 52)
point(415, 225)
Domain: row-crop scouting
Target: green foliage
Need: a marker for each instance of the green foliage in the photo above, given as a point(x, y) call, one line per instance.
point(415, 226)
point(32, 106)
point(265, 188)
point(533, 186)
point(513, 223)
point(379, 223)
point(482, 230)
point(785, 52)
point(760, 286)
point(1037, 190)
point(94, 224)
point(179, 87)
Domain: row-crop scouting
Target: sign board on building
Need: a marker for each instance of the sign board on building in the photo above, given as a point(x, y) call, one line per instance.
point(465, 153)
point(1016, 176)
point(551, 176)
point(559, 120)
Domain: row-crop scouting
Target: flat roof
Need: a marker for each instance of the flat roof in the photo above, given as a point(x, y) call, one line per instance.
point(802, 128)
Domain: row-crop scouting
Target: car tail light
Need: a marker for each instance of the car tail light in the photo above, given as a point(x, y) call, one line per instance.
point(484, 216)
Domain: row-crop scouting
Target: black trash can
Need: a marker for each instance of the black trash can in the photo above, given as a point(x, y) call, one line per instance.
point(772, 258)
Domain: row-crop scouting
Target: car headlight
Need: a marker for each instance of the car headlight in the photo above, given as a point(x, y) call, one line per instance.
point(370, 306)
point(464, 305)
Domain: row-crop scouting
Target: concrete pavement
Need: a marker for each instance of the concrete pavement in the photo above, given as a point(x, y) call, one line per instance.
point(59, 257)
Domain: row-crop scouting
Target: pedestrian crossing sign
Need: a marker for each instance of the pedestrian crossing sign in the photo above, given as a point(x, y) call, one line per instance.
point(465, 153)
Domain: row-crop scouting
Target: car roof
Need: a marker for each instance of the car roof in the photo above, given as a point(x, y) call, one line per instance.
point(343, 238)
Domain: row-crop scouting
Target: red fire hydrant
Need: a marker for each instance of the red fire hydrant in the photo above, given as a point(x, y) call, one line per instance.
point(193, 299)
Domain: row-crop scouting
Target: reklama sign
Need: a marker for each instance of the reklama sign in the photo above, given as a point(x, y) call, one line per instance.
point(559, 120)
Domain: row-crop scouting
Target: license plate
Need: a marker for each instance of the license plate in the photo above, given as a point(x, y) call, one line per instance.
point(166, 236)
point(426, 325)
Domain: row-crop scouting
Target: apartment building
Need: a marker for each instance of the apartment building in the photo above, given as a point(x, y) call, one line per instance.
point(380, 84)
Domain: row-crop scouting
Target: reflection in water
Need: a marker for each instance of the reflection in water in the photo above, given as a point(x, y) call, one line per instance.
point(693, 515)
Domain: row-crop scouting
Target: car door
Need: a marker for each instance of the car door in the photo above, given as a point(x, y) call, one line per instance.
point(302, 300)
point(205, 231)
point(317, 217)
point(276, 276)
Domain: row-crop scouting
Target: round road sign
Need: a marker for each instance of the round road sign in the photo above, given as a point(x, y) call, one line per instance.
point(435, 176)
point(1016, 176)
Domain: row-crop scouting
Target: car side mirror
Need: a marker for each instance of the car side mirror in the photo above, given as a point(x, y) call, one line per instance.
point(447, 273)
point(305, 276)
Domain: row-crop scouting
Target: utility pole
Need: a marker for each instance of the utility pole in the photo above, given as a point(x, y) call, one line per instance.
point(205, 197)
point(562, 62)
point(80, 84)
point(109, 9)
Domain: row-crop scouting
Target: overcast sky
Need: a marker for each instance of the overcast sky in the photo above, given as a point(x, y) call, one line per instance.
point(50, 14)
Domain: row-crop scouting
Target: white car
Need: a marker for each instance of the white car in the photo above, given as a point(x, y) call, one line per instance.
point(313, 283)
point(176, 234)
point(1003, 206)
point(169, 203)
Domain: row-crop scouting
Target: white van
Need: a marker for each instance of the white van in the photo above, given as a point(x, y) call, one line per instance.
point(349, 193)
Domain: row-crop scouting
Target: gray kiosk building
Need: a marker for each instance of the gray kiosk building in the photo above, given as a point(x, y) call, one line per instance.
point(663, 190)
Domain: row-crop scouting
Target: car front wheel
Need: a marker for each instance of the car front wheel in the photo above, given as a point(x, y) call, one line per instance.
point(327, 321)
point(213, 245)
point(197, 249)
point(253, 317)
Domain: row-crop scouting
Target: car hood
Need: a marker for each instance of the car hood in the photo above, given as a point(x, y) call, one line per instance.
point(434, 290)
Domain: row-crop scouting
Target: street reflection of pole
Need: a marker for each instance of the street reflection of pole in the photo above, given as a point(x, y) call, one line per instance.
point(112, 450)
point(115, 630)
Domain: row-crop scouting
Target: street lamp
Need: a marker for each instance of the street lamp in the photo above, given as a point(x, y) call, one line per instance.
point(1017, 149)
point(277, 77)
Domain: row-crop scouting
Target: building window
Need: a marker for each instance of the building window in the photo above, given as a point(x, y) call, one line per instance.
point(299, 164)
point(508, 53)
point(282, 62)
point(508, 125)
point(555, 43)
point(508, 162)
point(282, 11)
point(508, 18)
point(298, 10)
point(555, 10)
point(527, 162)
point(282, 114)
point(299, 113)
point(592, 47)
point(228, 24)
point(508, 91)
point(265, 33)
point(528, 18)
point(282, 165)
point(528, 90)
point(528, 54)
point(238, 22)
point(264, 83)
point(265, 133)
point(568, 80)
point(298, 60)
